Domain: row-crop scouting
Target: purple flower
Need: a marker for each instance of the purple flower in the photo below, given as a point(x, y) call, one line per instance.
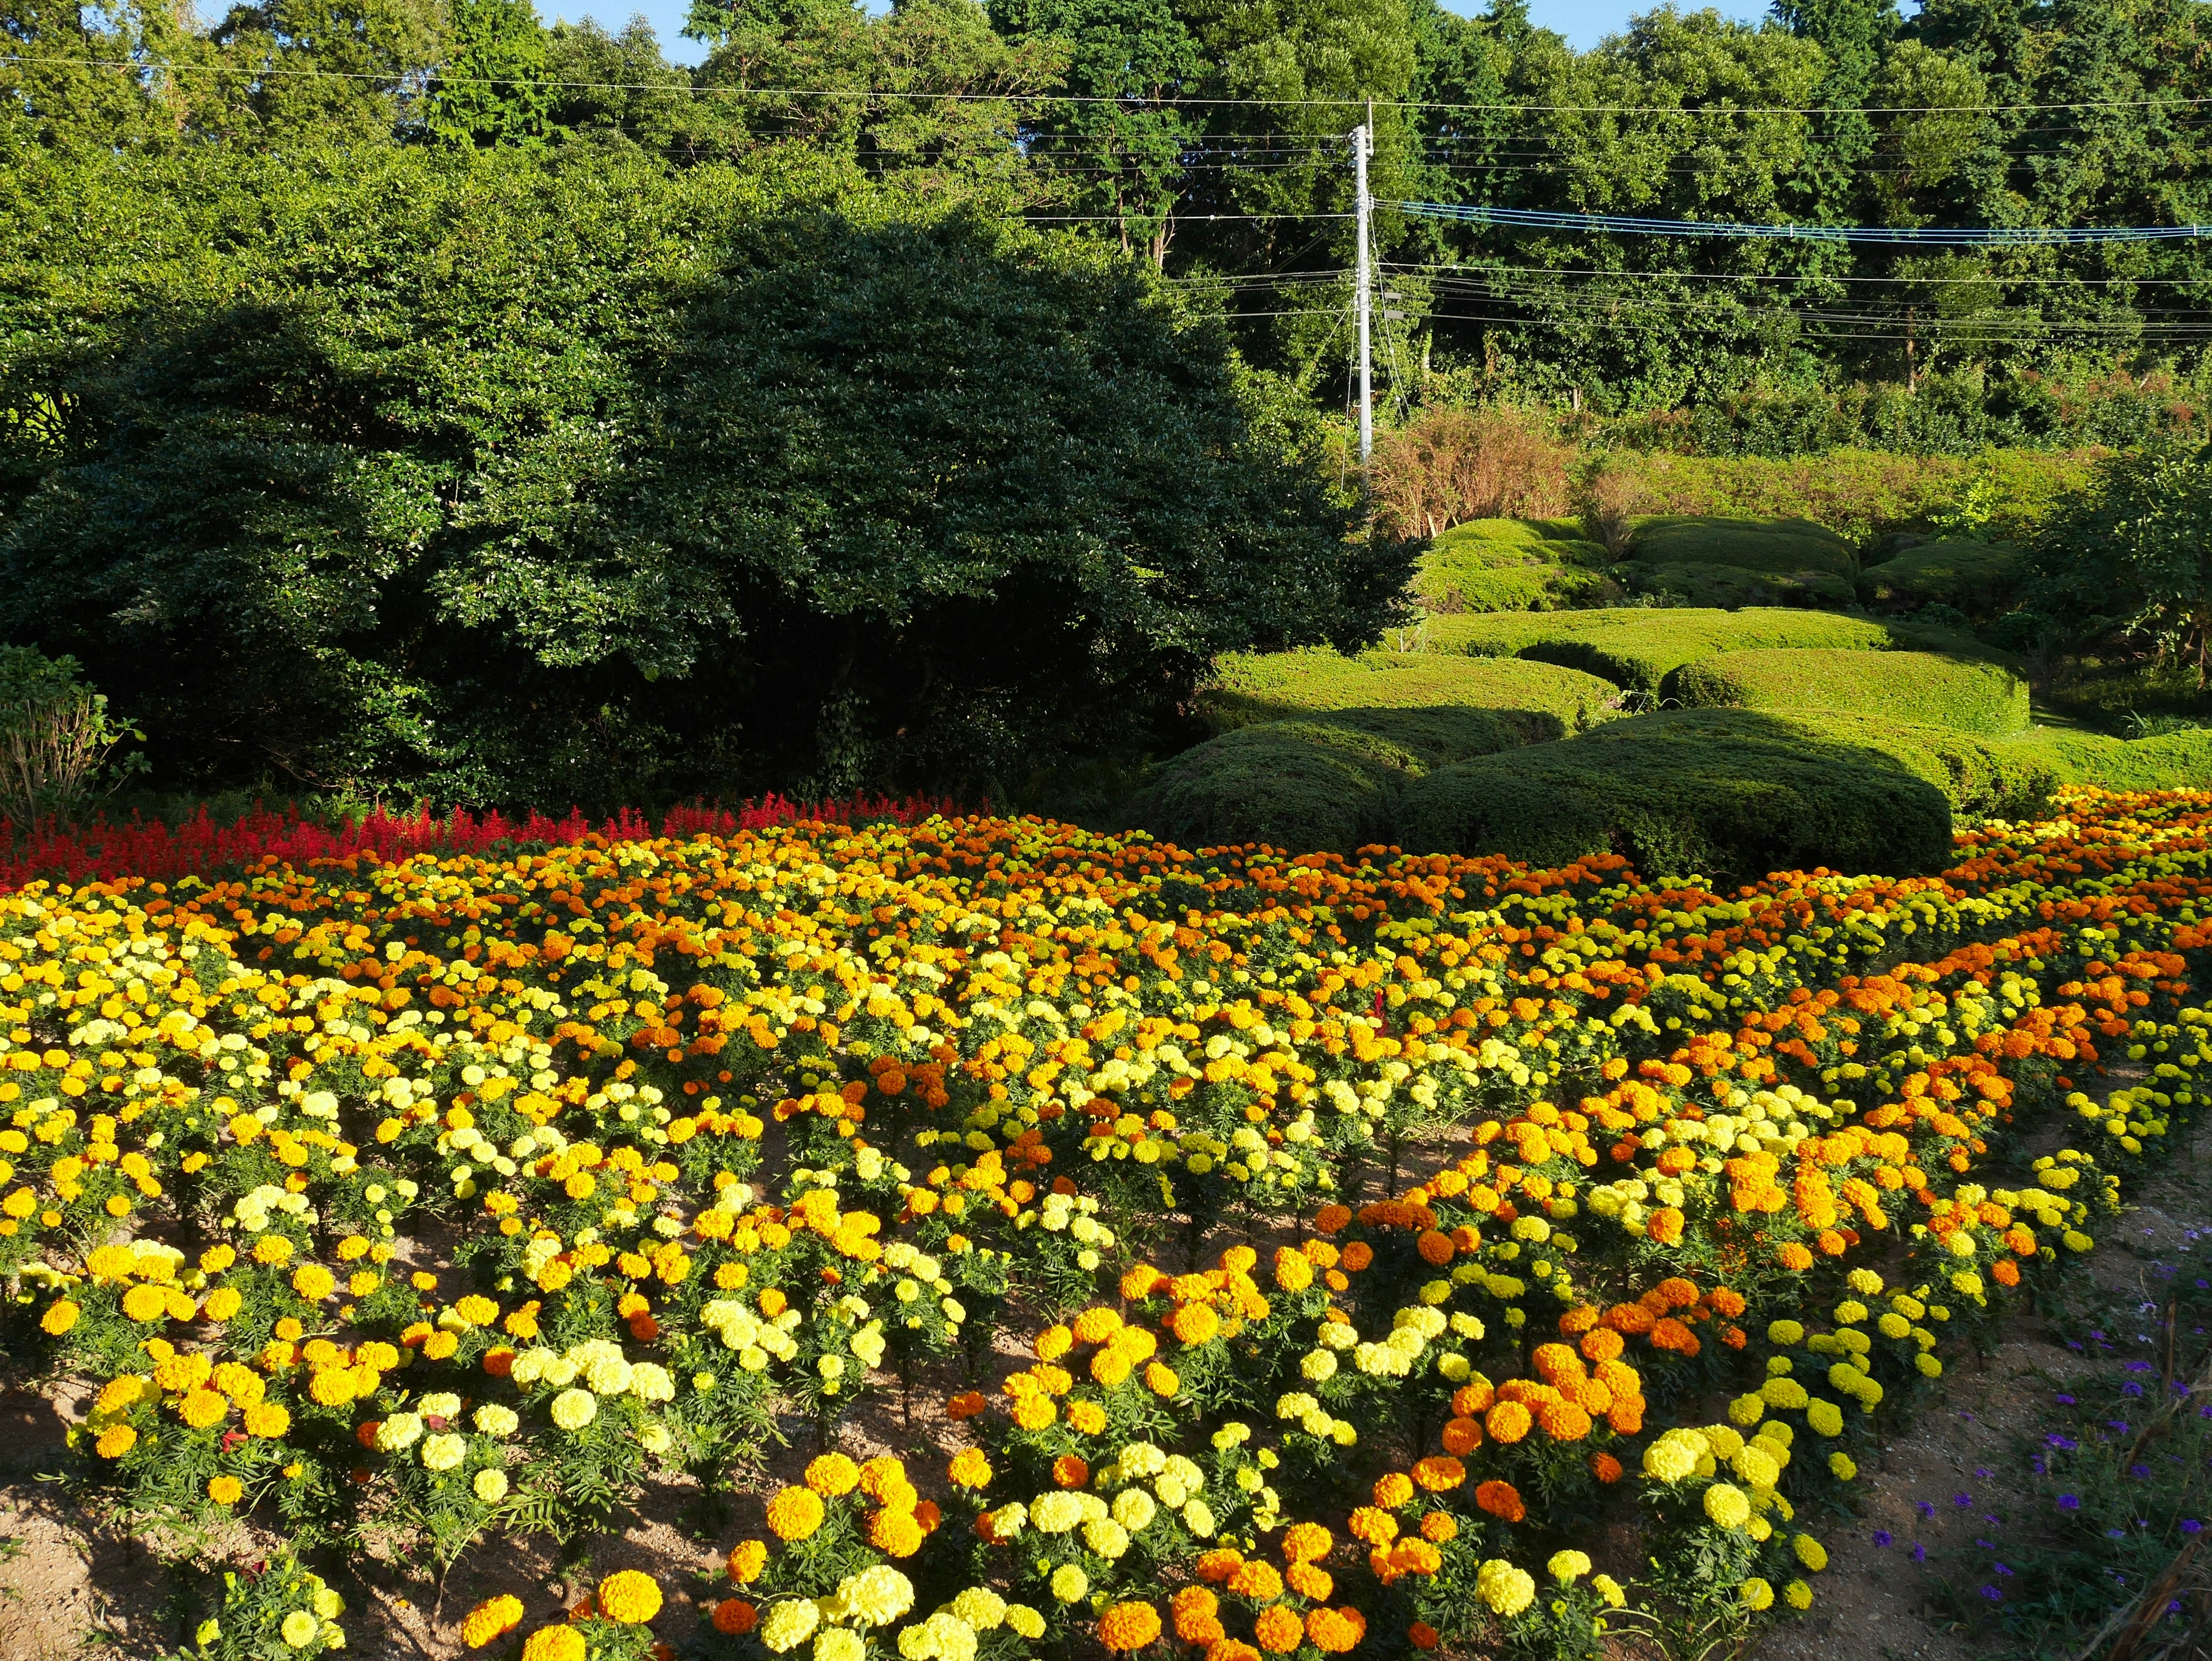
point(2138, 1366)
point(2065, 1401)
point(1980, 1471)
point(1919, 1552)
point(2138, 1471)
point(1993, 1594)
point(2001, 1568)
point(1882, 1537)
point(2131, 1388)
point(2069, 1502)
point(2190, 1525)
point(1926, 1507)
point(1962, 1500)
point(2099, 1336)
point(2119, 1425)
point(2065, 1443)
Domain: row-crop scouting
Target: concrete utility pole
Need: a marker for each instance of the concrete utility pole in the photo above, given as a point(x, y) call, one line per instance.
point(1362, 145)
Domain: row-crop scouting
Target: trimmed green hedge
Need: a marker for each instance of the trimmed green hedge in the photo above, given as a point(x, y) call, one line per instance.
point(1639, 647)
point(1731, 586)
point(2173, 761)
point(1508, 565)
point(1536, 700)
point(1331, 782)
point(1727, 792)
point(1919, 687)
point(1780, 546)
point(1975, 577)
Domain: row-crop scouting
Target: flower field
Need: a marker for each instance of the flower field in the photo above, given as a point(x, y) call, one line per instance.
point(1310, 1256)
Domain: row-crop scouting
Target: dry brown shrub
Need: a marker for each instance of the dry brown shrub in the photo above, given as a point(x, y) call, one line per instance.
point(1450, 465)
point(1610, 498)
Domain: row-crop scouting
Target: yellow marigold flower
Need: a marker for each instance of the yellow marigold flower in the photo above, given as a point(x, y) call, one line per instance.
point(491, 1620)
point(312, 1281)
point(204, 1407)
point(115, 1441)
point(267, 1419)
point(225, 1490)
point(145, 1303)
point(555, 1644)
point(59, 1317)
point(221, 1303)
point(794, 1513)
point(971, 1470)
point(1810, 1552)
point(630, 1597)
point(332, 1387)
point(833, 1474)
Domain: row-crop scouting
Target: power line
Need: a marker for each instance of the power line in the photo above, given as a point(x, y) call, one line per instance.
point(1731, 110)
point(1958, 236)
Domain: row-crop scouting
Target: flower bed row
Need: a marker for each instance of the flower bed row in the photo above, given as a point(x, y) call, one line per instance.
point(722, 1131)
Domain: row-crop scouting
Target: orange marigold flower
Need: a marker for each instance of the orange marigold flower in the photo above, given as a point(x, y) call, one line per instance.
point(1462, 1436)
point(2005, 1272)
point(1564, 1421)
point(897, 1533)
point(1439, 1472)
point(1581, 1318)
point(1507, 1421)
point(1257, 1581)
point(1309, 1582)
point(735, 1617)
point(1231, 1649)
point(1422, 1636)
point(1377, 1528)
point(966, 1405)
point(747, 1559)
point(1393, 1489)
point(1413, 1555)
point(833, 1474)
point(1605, 1468)
point(1439, 1526)
point(1194, 1323)
point(1095, 1325)
point(1126, 1627)
point(1664, 1225)
point(1140, 1282)
point(1195, 1610)
point(1792, 1255)
point(1278, 1629)
point(1086, 1417)
point(1336, 1632)
point(1471, 1399)
point(1306, 1542)
point(1500, 1499)
point(1053, 1342)
point(1069, 1471)
point(1726, 1301)
point(1436, 1249)
point(1357, 1255)
point(1293, 1270)
point(1678, 1292)
point(1331, 1218)
point(1216, 1565)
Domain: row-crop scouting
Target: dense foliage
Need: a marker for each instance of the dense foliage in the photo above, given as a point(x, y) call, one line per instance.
point(413, 1207)
point(1208, 137)
point(510, 481)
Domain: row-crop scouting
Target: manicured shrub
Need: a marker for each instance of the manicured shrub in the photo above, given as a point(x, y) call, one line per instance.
point(1539, 701)
point(1639, 649)
point(1975, 577)
point(1305, 785)
point(1785, 546)
point(1924, 688)
point(1507, 565)
point(1726, 793)
point(1732, 586)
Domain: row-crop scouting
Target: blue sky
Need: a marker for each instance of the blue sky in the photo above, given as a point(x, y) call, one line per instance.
point(1585, 22)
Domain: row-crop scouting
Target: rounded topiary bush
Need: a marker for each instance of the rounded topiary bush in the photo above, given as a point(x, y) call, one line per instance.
point(2172, 761)
point(1727, 793)
point(1975, 577)
point(1752, 545)
point(1507, 565)
point(1734, 586)
point(1924, 688)
point(1302, 786)
point(1539, 701)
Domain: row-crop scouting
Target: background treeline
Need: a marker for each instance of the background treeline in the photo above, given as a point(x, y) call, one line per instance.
point(399, 396)
point(1207, 136)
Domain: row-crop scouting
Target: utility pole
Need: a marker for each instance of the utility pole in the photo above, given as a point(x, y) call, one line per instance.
point(1363, 143)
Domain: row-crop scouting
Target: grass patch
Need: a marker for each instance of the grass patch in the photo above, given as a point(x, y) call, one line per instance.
point(1536, 700)
point(1639, 649)
point(1922, 688)
point(2172, 761)
point(1728, 586)
point(1727, 793)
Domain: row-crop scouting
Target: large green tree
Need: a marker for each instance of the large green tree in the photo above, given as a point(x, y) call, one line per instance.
point(511, 478)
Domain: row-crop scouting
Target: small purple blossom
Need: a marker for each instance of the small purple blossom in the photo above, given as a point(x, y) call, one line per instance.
point(2069, 1502)
point(1926, 1508)
point(2131, 1388)
point(1993, 1594)
point(1919, 1552)
point(1882, 1536)
point(1962, 1500)
point(2064, 1400)
point(2190, 1525)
